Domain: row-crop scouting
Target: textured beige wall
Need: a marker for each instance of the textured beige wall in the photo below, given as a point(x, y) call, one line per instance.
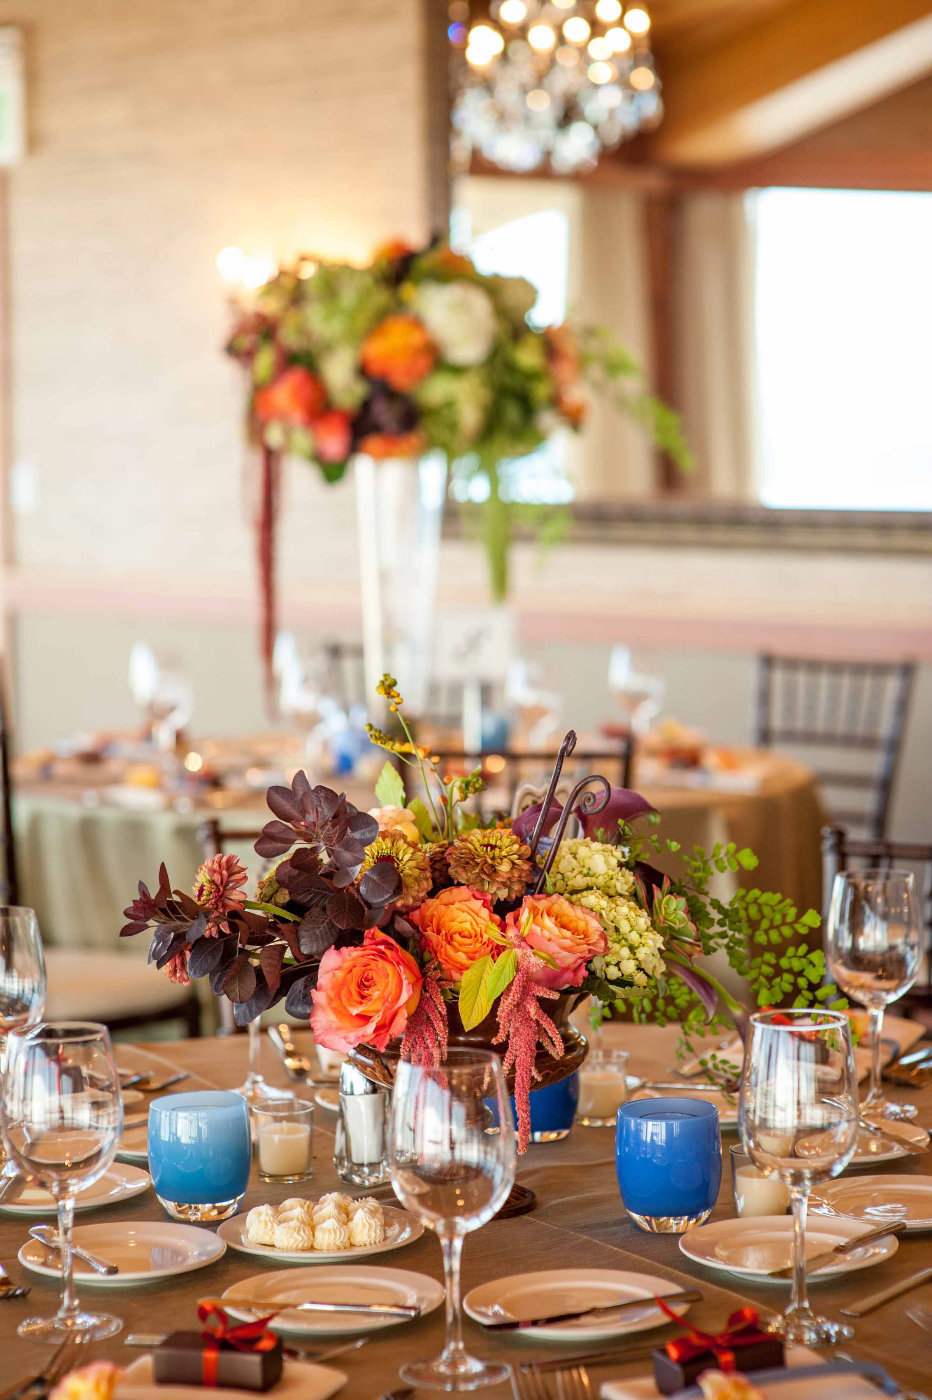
point(160, 131)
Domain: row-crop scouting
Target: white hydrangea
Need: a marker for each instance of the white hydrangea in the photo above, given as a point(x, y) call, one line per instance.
point(460, 318)
point(591, 865)
point(635, 948)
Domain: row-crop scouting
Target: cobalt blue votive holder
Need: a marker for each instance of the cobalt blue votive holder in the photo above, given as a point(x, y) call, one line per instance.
point(200, 1149)
point(668, 1156)
point(553, 1109)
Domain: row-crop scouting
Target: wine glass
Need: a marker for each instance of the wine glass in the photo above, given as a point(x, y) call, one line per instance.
point(641, 697)
point(22, 984)
point(449, 1169)
point(798, 1118)
point(874, 950)
point(61, 1115)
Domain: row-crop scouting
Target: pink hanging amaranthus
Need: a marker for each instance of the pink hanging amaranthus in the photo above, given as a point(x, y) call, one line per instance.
point(425, 1037)
point(524, 1023)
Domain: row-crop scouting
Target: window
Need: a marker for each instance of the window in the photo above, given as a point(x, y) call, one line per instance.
point(843, 292)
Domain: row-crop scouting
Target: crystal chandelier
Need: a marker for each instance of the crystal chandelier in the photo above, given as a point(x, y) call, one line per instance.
point(550, 81)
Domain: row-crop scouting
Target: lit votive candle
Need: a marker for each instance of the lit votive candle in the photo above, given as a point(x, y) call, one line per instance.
point(753, 1192)
point(284, 1140)
point(603, 1088)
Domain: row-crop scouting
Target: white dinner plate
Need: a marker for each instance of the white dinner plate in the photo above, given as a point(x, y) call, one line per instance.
point(333, 1283)
point(727, 1104)
point(401, 1227)
point(752, 1246)
point(328, 1099)
point(132, 1098)
point(551, 1291)
point(143, 1250)
point(874, 1199)
point(134, 1144)
point(871, 1150)
point(118, 1183)
point(300, 1380)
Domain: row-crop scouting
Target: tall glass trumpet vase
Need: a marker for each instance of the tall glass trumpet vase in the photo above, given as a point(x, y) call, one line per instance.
point(399, 507)
point(23, 987)
point(255, 1087)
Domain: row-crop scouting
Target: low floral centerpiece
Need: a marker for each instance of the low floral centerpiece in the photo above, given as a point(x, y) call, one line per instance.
point(402, 929)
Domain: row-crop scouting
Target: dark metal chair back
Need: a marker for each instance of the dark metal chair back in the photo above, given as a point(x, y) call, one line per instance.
point(517, 769)
point(842, 852)
point(9, 883)
point(853, 710)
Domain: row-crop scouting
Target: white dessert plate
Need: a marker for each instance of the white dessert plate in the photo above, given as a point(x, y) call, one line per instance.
point(300, 1380)
point(328, 1099)
point(132, 1098)
point(143, 1251)
point(118, 1183)
point(334, 1283)
point(400, 1229)
point(871, 1150)
point(874, 1199)
point(551, 1291)
point(752, 1246)
point(134, 1144)
point(727, 1104)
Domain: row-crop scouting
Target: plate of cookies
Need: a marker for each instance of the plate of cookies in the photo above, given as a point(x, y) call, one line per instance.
point(335, 1227)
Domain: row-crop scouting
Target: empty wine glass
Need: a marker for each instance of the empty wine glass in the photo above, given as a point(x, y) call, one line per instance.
point(874, 950)
point(22, 984)
point(452, 1172)
point(61, 1115)
point(798, 1085)
point(641, 697)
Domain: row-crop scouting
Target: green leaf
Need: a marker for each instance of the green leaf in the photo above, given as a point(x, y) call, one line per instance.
point(390, 788)
point(425, 827)
point(503, 972)
point(474, 1000)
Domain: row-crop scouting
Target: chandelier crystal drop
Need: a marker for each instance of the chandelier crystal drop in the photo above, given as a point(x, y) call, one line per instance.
point(550, 82)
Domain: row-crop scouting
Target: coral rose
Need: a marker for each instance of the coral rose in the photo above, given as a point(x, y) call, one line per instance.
point(381, 446)
point(399, 351)
point(297, 396)
point(365, 994)
point(454, 925)
point(397, 819)
point(568, 933)
point(333, 436)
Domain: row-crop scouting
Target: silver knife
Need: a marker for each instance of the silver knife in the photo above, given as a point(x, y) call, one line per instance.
point(877, 1300)
point(268, 1306)
point(691, 1295)
point(48, 1238)
point(831, 1256)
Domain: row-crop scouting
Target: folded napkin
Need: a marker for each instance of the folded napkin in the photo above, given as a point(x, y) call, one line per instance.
point(301, 1380)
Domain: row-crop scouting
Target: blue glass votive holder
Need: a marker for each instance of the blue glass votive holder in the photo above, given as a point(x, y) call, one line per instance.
point(553, 1109)
point(200, 1150)
point(668, 1156)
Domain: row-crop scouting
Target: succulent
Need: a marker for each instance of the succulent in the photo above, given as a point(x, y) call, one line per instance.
point(495, 862)
point(269, 891)
point(410, 862)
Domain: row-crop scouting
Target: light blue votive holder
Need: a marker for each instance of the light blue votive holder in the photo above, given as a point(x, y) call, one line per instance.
point(668, 1156)
point(199, 1153)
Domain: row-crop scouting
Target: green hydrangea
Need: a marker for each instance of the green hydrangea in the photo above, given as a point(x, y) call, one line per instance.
point(634, 945)
point(590, 865)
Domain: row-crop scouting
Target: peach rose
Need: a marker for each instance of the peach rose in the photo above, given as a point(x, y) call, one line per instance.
point(96, 1381)
point(568, 933)
point(364, 994)
point(454, 925)
point(397, 819)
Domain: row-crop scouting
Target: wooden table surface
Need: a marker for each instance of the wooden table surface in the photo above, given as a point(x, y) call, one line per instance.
point(579, 1220)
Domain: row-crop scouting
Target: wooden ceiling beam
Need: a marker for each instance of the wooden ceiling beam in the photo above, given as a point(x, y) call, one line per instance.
point(796, 70)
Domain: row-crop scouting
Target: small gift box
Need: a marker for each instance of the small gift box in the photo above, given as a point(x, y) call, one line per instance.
point(741, 1347)
point(246, 1356)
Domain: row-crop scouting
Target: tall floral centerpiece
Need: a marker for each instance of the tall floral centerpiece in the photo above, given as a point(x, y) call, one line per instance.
point(401, 930)
point(416, 356)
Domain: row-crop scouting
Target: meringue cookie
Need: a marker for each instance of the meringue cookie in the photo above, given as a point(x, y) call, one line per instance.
point(366, 1228)
point(336, 1201)
point(365, 1203)
point(260, 1225)
point(330, 1211)
point(331, 1235)
point(293, 1235)
point(296, 1209)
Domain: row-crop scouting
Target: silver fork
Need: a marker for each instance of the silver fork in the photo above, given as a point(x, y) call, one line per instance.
point(921, 1316)
point(9, 1289)
point(573, 1383)
point(528, 1385)
point(63, 1359)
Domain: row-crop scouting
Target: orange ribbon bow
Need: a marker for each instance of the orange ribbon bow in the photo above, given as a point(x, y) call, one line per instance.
point(218, 1332)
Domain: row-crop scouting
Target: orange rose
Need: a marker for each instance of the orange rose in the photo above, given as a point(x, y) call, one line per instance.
point(297, 396)
point(568, 933)
point(398, 350)
point(454, 925)
point(384, 445)
point(365, 994)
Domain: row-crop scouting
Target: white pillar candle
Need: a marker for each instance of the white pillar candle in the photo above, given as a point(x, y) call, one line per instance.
point(284, 1148)
point(756, 1194)
point(601, 1093)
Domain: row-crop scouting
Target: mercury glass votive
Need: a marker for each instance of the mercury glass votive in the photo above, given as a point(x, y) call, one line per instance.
point(668, 1156)
point(283, 1133)
point(200, 1151)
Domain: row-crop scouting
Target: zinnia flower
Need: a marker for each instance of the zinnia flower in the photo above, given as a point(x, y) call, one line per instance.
point(494, 861)
point(410, 861)
point(364, 995)
point(455, 927)
point(398, 350)
point(297, 397)
point(218, 885)
point(569, 934)
point(461, 319)
point(96, 1381)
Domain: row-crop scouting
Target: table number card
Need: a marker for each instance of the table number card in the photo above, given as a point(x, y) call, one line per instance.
point(474, 644)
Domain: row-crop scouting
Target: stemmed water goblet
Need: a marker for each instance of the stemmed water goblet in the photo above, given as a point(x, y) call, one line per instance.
point(798, 1118)
point(23, 984)
point(641, 697)
point(874, 951)
point(449, 1169)
point(61, 1115)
